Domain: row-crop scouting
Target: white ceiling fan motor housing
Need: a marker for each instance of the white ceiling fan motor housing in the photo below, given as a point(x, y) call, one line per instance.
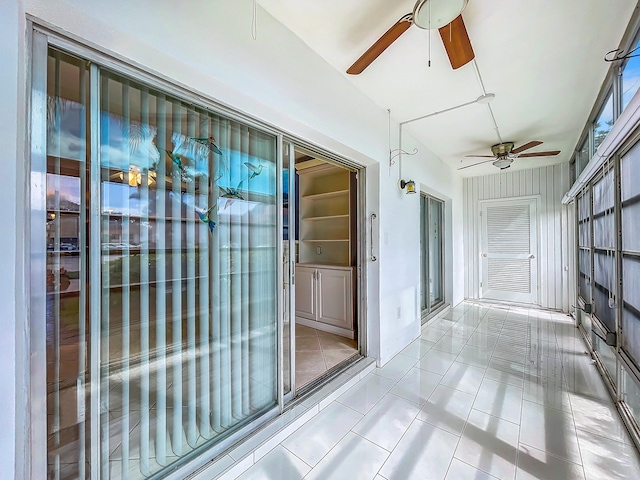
point(431, 14)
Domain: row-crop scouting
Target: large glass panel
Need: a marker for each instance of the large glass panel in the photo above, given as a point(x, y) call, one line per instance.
point(630, 196)
point(631, 393)
point(584, 218)
point(631, 306)
point(604, 235)
point(424, 257)
point(66, 300)
point(630, 193)
point(431, 254)
point(585, 321)
point(604, 240)
point(287, 261)
point(584, 282)
point(435, 252)
point(582, 157)
point(630, 78)
point(189, 288)
point(604, 123)
point(584, 242)
point(607, 356)
point(604, 288)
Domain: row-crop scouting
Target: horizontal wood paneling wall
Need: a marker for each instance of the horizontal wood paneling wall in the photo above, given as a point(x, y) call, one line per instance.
point(550, 183)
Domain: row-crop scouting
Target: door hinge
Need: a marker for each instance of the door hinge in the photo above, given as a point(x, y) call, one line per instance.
point(480, 284)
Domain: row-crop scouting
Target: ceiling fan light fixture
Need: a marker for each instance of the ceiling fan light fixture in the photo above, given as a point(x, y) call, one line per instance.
point(442, 12)
point(503, 162)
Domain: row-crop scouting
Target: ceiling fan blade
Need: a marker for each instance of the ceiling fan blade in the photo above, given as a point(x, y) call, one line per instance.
point(540, 154)
point(480, 163)
point(381, 44)
point(526, 146)
point(456, 42)
point(479, 156)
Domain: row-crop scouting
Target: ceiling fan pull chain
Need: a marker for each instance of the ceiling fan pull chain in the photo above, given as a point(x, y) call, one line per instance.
point(254, 20)
point(429, 33)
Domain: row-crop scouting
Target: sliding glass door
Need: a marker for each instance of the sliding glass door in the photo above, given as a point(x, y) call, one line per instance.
point(431, 254)
point(162, 277)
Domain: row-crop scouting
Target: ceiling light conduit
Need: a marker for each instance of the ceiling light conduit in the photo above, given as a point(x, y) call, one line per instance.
point(483, 99)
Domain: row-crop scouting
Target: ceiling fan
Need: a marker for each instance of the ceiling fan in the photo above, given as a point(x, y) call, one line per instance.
point(504, 154)
point(445, 15)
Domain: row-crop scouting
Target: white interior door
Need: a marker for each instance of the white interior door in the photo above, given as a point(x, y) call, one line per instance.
point(509, 250)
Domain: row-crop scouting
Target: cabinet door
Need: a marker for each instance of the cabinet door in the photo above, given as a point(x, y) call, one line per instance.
point(335, 297)
point(305, 293)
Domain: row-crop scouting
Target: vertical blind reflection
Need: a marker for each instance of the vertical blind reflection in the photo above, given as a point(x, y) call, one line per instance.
point(188, 292)
point(67, 431)
point(189, 269)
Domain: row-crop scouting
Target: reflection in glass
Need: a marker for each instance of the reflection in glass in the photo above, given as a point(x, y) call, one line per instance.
point(431, 256)
point(582, 157)
point(603, 124)
point(188, 263)
point(286, 266)
point(67, 431)
point(435, 252)
point(188, 277)
point(631, 391)
point(630, 196)
point(630, 79)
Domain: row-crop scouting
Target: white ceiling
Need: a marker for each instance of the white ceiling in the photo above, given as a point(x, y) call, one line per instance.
point(543, 59)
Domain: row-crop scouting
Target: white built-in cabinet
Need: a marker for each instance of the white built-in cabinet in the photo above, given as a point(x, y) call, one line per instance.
point(326, 249)
point(324, 298)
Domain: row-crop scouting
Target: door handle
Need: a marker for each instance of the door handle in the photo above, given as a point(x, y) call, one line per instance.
point(484, 255)
point(532, 256)
point(373, 217)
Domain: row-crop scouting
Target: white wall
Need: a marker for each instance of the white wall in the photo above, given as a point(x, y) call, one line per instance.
point(400, 241)
point(12, 314)
point(277, 79)
point(207, 46)
point(550, 183)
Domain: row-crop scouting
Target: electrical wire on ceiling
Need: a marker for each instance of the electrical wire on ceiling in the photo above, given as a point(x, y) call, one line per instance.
point(254, 20)
point(484, 92)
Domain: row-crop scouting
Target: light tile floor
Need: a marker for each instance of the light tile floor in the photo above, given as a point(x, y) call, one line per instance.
point(486, 392)
point(318, 351)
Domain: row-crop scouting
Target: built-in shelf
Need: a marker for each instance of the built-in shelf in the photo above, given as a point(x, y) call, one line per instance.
point(318, 240)
point(326, 253)
point(325, 217)
point(335, 193)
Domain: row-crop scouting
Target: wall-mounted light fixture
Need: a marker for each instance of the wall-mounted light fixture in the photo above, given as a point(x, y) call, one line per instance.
point(409, 184)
